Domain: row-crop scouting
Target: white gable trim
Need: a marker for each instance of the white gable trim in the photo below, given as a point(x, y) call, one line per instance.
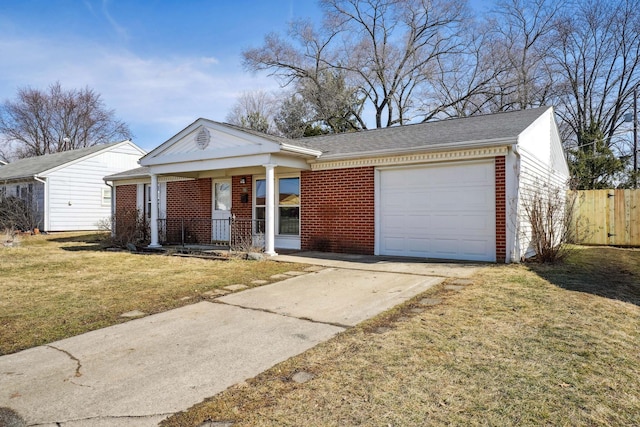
point(159, 156)
point(199, 156)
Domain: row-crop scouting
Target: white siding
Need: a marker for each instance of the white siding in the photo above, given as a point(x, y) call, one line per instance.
point(75, 191)
point(540, 165)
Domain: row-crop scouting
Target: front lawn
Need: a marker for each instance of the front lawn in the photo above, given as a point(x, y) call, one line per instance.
point(64, 284)
point(525, 345)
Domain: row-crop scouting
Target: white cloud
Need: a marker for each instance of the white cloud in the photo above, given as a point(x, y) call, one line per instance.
point(157, 96)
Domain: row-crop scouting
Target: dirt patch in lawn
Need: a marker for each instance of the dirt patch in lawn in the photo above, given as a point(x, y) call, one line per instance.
point(64, 284)
point(512, 348)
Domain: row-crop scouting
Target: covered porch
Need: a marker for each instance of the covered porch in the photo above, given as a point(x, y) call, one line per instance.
point(217, 184)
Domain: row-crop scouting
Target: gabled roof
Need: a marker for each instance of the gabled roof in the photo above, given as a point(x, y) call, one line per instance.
point(488, 130)
point(484, 130)
point(33, 166)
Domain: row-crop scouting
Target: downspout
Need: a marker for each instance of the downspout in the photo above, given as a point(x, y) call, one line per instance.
point(515, 250)
point(45, 219)
point(113, 209)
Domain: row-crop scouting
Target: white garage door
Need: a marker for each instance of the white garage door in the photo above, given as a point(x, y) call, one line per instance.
point(438, 211)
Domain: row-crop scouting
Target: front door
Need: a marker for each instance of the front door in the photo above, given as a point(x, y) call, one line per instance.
point(220, 226)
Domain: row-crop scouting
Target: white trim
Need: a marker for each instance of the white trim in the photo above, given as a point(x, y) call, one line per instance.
point(270, 224)
point(153, 220)
point(409, 159)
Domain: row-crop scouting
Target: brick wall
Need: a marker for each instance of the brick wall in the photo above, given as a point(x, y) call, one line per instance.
point(501, 210)
point(240, 209)
point(337, 210)
point(126, 210)
point(189, 201)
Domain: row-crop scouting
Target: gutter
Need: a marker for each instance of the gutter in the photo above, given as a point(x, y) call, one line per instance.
point(301, 150)
point(516, 249)
point(113, 208)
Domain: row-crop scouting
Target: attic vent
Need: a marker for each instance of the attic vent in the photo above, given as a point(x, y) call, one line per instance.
point(202, 138)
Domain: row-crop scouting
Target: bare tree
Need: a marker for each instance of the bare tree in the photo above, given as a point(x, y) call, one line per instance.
point(598, 52)
point(254, 110)
point(40, 122)
point(387, 50)
point(522, 34)
point(465, 84)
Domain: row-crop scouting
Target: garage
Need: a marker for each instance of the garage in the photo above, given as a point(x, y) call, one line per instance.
point(442, 211)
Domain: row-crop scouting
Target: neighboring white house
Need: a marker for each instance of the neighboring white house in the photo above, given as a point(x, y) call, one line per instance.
point(67, 188)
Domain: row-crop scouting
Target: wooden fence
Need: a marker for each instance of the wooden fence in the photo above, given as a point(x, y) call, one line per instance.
point(608, 217)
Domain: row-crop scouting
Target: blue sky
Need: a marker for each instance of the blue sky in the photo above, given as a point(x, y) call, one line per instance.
point(160, 64)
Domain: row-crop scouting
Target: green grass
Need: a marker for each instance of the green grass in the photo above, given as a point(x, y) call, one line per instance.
point(62, 285)
point(525, 345)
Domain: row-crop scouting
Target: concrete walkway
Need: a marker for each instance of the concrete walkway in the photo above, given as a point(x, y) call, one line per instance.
point(140, 372)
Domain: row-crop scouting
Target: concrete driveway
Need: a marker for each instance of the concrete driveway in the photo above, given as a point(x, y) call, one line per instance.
point(142, 371)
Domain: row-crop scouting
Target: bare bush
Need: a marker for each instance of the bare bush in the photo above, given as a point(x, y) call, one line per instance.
point(18, 214)
point(550, 212)
point(131, 226)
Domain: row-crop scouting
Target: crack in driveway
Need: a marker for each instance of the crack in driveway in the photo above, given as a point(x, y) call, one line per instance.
point(72, 357)
point(265, 310)
point(111, 417)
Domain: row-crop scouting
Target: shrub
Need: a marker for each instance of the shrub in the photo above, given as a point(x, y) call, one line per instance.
point(18, 214)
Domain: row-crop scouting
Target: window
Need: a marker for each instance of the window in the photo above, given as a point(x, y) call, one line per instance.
point(287, 209)
point(222, 196)
point(261, 199)
point(106, 197)
point(147, 200)
point(289, 206)
point(25, 192)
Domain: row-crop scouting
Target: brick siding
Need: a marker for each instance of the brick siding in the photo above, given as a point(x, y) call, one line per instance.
point(242, 208)
point(189, 201)
point(126, 209)
point(338, 210)
point(501, 210)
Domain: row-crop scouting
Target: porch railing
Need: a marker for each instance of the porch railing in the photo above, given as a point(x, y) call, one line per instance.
point(234, 233)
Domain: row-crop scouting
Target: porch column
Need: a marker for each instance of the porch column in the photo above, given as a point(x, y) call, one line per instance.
point(270, 212)
point(154, 212)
